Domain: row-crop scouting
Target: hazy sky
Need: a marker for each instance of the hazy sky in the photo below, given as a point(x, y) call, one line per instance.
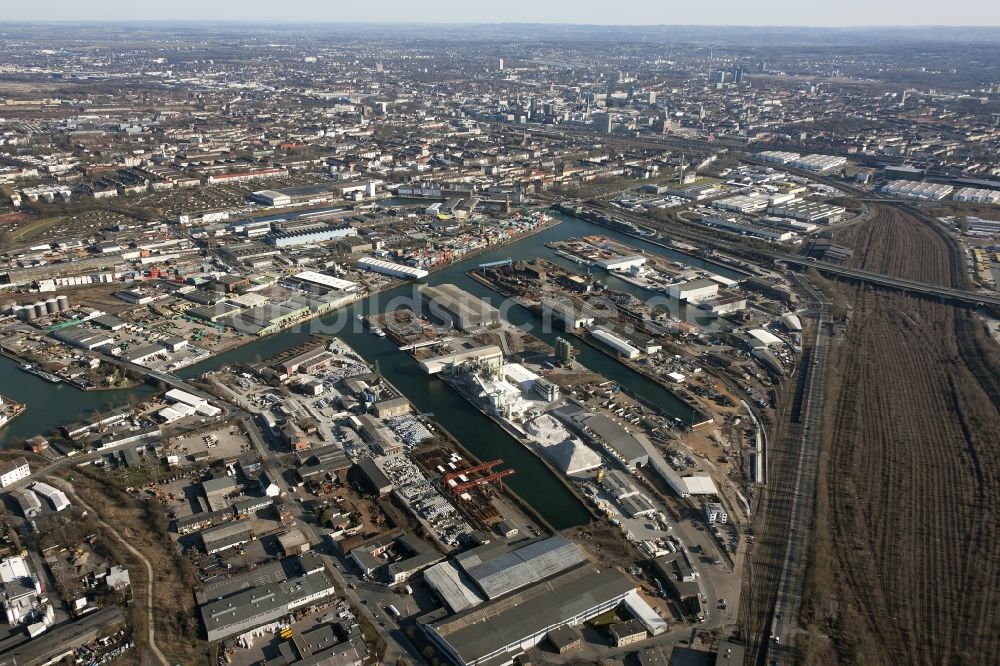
point(628, 12)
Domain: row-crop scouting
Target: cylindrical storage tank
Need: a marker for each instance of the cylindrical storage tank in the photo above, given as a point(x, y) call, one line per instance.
point(63, 303)
point(18, 311)
point(40, 309)
point(29, 312)
point(51, 306)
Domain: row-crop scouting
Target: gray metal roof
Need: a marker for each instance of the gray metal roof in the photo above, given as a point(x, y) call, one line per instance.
point(500, 573)
point(225, 617)
point(500, 626)
point(453, 586)
point(468, 308)
point(616, 436)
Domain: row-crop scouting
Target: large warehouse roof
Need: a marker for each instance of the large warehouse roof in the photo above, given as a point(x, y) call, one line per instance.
point(468, 309)
point(447, 580)
point(325, 280)
point(502, 626)
point(499, 571)
point(391, 268)
point(700, 485)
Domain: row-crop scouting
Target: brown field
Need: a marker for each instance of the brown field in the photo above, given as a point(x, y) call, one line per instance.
point(904, 562)
point(143, 526)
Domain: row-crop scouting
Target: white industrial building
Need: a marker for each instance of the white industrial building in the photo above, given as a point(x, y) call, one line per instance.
point(765, 337)
point(981, 226)
point(699, 485)
point(776, 156)
point(569, 313)
point(694, 290)
point(391, 268)
point(20, 591)
point(747, 229)
point(818, 162)
point(977, 195)
point(723, 305)
point(55, 496)
point(791, 321)
point(807, 211)
point(324, 280)
point(451, 304)
point(496, 632)
point(617, 343)
point(307, 235)
point(743, 203)
point(200, 405)
point(813, 162)
point(621, 263)
point(488, 354)
point(915, 189)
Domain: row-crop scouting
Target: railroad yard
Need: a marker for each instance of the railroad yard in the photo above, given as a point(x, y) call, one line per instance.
point(906, 515)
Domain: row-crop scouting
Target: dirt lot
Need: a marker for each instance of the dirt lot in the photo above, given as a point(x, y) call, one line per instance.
point(903, 563)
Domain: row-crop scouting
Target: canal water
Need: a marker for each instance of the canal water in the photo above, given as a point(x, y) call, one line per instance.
point(50, 406)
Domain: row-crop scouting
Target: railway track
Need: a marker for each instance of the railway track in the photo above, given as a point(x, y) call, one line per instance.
point(778, 564)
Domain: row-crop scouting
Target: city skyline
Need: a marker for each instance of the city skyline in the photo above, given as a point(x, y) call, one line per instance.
point(772, 13)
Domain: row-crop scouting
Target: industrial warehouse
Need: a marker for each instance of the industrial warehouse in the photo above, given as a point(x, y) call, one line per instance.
point(497, 632)
point(457, 307)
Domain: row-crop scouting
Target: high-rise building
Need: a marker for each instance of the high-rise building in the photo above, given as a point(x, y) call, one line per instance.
point(500, 67)
point(738, 74)
point(717, 76)
point(564, 351)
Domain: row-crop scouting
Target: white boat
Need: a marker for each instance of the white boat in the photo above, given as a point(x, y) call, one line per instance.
point(38, 372)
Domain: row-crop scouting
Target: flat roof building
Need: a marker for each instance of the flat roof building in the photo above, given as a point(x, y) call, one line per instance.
point(498, 570)
point(628, 632)
point(490, 354)
point(385, 409)
point(261, 604)
point(315, 233)
point(458, 307)
point(225, 536)
point(498, 631)
point(375, 476)
point(617, 441)
point(565, 639)
point(391, 268)
point(694, 290)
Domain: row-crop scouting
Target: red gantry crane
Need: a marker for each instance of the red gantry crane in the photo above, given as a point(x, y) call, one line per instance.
point(456, 486)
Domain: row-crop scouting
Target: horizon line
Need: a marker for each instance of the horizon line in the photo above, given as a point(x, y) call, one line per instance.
point(304, 21)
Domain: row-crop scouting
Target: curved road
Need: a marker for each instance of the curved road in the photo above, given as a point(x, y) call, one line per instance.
point(151, 632)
